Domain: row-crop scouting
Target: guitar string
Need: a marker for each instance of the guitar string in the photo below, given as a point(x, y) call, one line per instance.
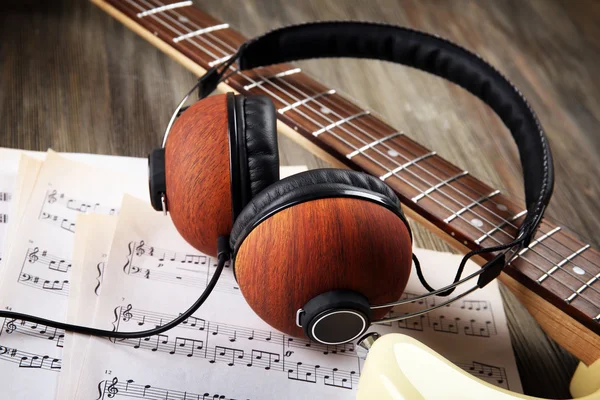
point(268, 81)
point(452, 185)
point(581, 295)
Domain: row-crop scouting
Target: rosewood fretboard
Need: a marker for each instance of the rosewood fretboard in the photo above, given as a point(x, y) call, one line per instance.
point(557, 266)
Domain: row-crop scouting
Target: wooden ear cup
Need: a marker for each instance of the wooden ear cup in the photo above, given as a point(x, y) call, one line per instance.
point(320, 246)
point(197, 173)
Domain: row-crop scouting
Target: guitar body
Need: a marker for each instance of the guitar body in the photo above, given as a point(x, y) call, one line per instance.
point(400, 367)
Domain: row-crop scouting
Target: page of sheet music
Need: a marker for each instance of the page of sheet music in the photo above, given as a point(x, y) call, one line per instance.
point(87, 273)
point(36, 276)
point(23, 182)
point(225, 350)
point(6, 193)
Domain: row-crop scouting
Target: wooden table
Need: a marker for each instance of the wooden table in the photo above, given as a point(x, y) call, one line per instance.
point(74, 79)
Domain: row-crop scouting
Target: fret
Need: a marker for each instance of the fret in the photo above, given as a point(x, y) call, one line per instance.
point(582, 288)
point(200, 32)
point(372, 144)
point(340, 122)
point(500, 226)
point(536, 242)
point(164, 8)
point(562, 263)
point(436, 187)
point(306, 100)
point(266, 79)
point(474, 203)
point(219, 60)
point(405, 165)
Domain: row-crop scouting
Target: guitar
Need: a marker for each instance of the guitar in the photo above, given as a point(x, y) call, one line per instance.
point(555, 278)
point(391, 373)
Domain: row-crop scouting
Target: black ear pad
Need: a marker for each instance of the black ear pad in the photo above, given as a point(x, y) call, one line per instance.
point(259, 154)
point(318, 183)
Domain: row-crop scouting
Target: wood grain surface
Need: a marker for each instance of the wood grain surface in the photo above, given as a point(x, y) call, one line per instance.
point(278, 276)
point(74, 79)
point(199, 200)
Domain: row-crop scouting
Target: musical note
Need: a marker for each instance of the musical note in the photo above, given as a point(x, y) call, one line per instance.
point(57, 287)
point(342, 381)
point(223, 351)
point(262, 356)
point(27, 328)
point(443, 325)
point(188, 346)
point(490, 373)
point(309, 376)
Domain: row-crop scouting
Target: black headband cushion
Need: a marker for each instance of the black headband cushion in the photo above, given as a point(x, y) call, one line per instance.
point(318, 182)
point(427, 53)
point(258, 145)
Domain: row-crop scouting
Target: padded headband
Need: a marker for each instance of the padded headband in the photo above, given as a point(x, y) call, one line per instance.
point(431, 54)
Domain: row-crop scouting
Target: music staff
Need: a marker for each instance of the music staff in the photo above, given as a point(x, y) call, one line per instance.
point(196, 268)
point(56, 220)
point(234, 356)
point(34, 255)
point(142, 249)
point(462, 321)
point(5, 196)
point(59, 198)
point(226, 284)
point(112, 387)
point(11, 326)
point(29, 360)
point(234, 333)
point(59, 287)
point(3, 219)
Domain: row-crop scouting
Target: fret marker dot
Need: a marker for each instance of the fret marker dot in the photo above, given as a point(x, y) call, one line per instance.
point(325, 110)
point(501, 207)
point(183, 19)
point(393, 153)
point(477, 222)
point(578, 271)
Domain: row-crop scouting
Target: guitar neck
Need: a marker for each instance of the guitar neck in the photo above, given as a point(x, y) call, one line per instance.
point(557, 267)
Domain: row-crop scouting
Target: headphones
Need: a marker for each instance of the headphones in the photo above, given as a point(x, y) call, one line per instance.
point(326, 252)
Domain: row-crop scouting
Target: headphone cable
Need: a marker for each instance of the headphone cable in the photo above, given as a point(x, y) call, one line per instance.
point(223, 257)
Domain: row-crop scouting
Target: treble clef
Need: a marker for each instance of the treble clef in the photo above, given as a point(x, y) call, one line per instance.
point(112, 388)
point(11, 327)
point(127, 315)
point(32, 257)
point(139, 250)
point(52, 197)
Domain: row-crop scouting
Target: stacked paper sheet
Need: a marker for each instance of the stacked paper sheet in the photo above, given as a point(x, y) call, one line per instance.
point(81, 243)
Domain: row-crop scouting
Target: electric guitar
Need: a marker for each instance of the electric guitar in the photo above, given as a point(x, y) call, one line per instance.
point(556, 277)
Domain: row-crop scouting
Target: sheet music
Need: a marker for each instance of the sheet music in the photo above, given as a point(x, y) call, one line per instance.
point(36, 278)
point(226, 350)
point(89, 256)
point(88, 274)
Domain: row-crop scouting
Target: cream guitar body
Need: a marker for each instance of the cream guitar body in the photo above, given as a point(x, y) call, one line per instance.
point(399, 367)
